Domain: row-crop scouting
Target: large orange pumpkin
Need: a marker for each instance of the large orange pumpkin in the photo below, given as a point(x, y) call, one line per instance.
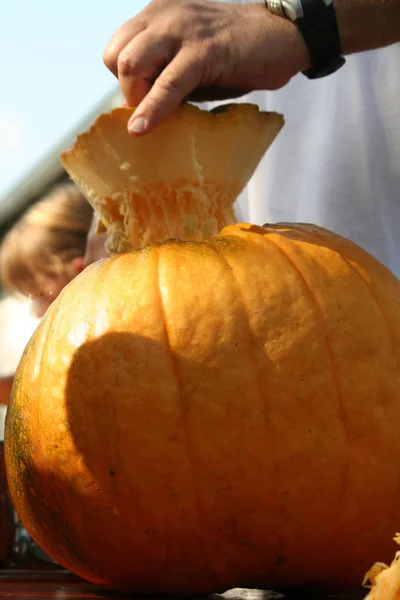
point(195, 416)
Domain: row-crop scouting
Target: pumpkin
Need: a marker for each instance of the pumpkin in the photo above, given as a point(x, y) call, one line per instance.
point(192, 416)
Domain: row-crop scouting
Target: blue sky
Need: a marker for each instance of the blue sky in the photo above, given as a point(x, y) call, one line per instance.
point(51, 72)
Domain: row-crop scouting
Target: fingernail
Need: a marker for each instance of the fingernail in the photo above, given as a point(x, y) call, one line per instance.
point(137, 125)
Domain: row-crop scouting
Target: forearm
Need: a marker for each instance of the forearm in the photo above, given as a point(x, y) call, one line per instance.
point(363, 25)
point(367, 24)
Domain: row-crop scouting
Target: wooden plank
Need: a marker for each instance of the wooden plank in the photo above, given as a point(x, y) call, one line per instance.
point(62, 585)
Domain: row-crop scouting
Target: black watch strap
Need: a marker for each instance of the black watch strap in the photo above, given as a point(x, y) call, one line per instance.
point(319, 28)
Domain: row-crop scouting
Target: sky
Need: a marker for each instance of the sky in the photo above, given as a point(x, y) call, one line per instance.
point(52, 72)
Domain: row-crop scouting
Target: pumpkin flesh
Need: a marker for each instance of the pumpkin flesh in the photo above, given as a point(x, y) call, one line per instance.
point(180, 181)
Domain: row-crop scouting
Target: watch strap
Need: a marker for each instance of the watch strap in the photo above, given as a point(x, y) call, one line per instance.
point(319, 28)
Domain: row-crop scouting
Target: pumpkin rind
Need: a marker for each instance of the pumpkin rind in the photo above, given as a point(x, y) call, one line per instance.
point(227, 416)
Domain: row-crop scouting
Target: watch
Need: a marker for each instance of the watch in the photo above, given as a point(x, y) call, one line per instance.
point(316, 20)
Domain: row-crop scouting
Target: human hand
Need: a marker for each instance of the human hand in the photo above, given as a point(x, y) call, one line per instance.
point(202, 50)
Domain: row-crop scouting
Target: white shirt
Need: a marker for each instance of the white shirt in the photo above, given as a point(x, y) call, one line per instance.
point(336, 162)
point(16, 327)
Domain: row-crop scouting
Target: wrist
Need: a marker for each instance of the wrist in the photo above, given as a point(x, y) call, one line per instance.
point(290, 56)
point(296, 46)
point(316, 21)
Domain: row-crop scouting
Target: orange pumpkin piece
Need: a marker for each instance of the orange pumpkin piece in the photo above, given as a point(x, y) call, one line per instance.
point(199, 415)
point(383, 580)
point(180, 181)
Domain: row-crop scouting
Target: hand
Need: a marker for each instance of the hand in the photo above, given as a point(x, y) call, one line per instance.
point(202, 50)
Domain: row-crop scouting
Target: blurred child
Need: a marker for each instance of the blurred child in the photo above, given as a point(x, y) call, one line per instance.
point(45, 249)
point(38, 257)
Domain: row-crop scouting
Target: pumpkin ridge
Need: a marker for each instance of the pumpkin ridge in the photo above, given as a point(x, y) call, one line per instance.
point(268, 238)
point(218, 251)
point(333, 364)
point(24, 451)
point(332, 244)
point(44, 345)
point(323, 327)
point(384, 319)
point(189, 453)
point(367, 285)
point(67, 541)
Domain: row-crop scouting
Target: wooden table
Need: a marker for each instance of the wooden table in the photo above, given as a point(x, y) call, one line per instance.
point(62, 585)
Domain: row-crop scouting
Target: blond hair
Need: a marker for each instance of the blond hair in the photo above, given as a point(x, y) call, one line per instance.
point(45, 240)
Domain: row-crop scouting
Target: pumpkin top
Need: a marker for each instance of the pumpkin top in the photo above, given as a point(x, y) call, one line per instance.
point(179, 181)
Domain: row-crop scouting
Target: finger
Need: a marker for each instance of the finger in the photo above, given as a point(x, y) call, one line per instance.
point(176, 82)
point(140, 63)
point(138, 89)
point(119, 40)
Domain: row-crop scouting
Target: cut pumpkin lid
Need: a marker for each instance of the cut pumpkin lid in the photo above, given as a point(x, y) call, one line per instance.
point(180, 180)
